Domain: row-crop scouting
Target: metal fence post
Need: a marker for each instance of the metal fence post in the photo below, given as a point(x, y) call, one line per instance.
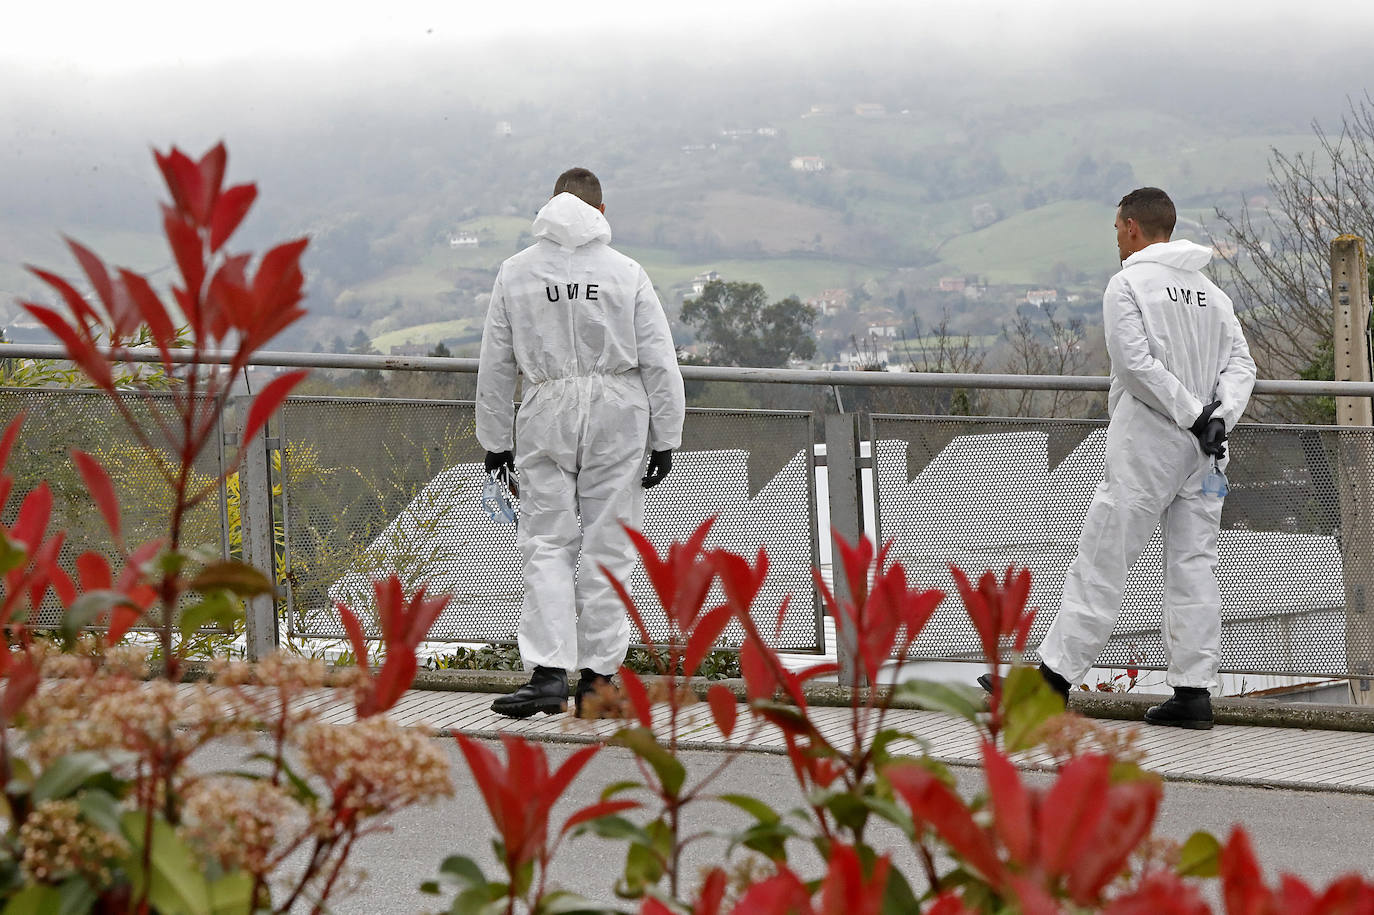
point(255, 516)
point(845, 482)
point(1350, 309)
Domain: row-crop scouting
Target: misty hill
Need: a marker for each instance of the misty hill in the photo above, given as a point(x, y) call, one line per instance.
point(880, 178)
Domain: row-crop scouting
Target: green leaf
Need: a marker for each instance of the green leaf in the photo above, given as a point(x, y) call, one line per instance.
point(34, 899)
point(615, 788)
point(231, 575)
point(892, 812)
point(87, 608)
point(640, 741)
point(218, 607)
point(565, 902)
point(1027, 702)
point(67, 774)
point(768, 839)
point(76, 897)
point(849, 811)
point(302, 791)
point(967, 702)
point(888, 736)
point(752, 806)
point(1199, 856)
point(898, 899)
point(177, 886)
point(464, 870)
point(232, 894)
point(100, 809)
point(614, 827)
point(643, 869)
point(12, 554)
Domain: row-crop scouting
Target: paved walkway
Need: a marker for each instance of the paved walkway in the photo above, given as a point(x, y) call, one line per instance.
point(1228, 754)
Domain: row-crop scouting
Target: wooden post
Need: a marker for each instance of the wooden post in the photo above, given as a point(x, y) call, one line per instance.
point(1351, 308)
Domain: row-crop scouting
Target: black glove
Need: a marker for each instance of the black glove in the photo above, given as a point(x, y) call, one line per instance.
point(1199, 426)
point(503, 464)
point(1213, 439)
point(660, 464)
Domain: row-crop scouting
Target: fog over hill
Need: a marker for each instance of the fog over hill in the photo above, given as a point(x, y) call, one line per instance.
point(977, 150)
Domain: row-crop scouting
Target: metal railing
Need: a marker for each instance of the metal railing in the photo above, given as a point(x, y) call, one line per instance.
point(1300, 507)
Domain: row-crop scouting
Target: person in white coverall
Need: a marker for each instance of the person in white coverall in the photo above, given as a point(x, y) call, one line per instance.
point(1181, 377)
point(602, 390)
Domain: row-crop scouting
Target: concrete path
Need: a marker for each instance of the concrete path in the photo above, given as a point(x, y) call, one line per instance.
point(1229, 754)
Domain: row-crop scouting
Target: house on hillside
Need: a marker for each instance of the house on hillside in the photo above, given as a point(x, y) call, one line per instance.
point(830, 301)
point(952, 284)
point(870, 110)
point(807, 164)
point(463, 240)
point(1039, 297)
point(411, 349)
point(503, 128)
point(701, 279)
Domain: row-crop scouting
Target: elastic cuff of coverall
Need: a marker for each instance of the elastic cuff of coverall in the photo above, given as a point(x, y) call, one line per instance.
point(1178, 681)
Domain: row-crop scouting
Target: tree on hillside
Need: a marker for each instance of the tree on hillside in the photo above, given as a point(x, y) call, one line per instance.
point(1277, 262)
point(741, 327)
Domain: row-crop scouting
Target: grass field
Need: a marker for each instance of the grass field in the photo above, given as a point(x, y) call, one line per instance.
point(428, 334)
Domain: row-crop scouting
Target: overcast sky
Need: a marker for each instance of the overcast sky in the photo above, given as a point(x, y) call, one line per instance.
point(100, 37)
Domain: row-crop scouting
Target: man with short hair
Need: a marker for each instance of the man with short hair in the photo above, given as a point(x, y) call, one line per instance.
point(602, 388)
point(1181, 377)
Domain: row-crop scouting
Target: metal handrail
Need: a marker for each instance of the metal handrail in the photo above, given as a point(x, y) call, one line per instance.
point(822, 377)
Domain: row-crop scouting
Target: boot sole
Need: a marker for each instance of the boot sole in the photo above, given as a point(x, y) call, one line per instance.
point(526, 709)
point(1190, 724)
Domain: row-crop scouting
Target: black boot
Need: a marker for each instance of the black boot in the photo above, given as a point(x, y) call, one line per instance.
point(1190, 707)
point(546, 692)
point(1056, 682)
point(597, 686)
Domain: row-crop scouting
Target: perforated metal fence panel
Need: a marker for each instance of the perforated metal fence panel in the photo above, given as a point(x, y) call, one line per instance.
point(58, 421)
point(1295, 565)
point(376, 487)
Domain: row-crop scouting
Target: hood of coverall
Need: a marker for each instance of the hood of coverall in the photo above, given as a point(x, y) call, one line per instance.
point(1181, 254)
point(568, 221)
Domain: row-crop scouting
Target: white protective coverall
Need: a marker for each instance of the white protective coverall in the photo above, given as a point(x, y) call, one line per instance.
point(1175, 347)
point(581, 321)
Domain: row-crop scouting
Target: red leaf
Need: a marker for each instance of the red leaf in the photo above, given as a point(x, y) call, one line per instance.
point(356, 636)
point(152, 311)
point(79, 350)
point(181, 176)
point(93, 571)
point(712, 893)
point(277, 285)
point(268, 400)
point(639, 696)
point(933, 803)
point(211, 168)
point(856, 558)
point(81, 310)
point(32, 521)
point(1071, 811)
point(1242, 884)
point(594, 811)
point(760, 680)
point(630, 608)
point(187, 249)
point(95, 271)
point(1013, 810)
point(1129, 817)
point(21, 682)
point(100, 487)
point(724, 709)
point(846, 891)
point(784, 893)
point(949, 903)
point(7, 442)
point(1160, 893)
point(703, 638)
point(230, 209)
